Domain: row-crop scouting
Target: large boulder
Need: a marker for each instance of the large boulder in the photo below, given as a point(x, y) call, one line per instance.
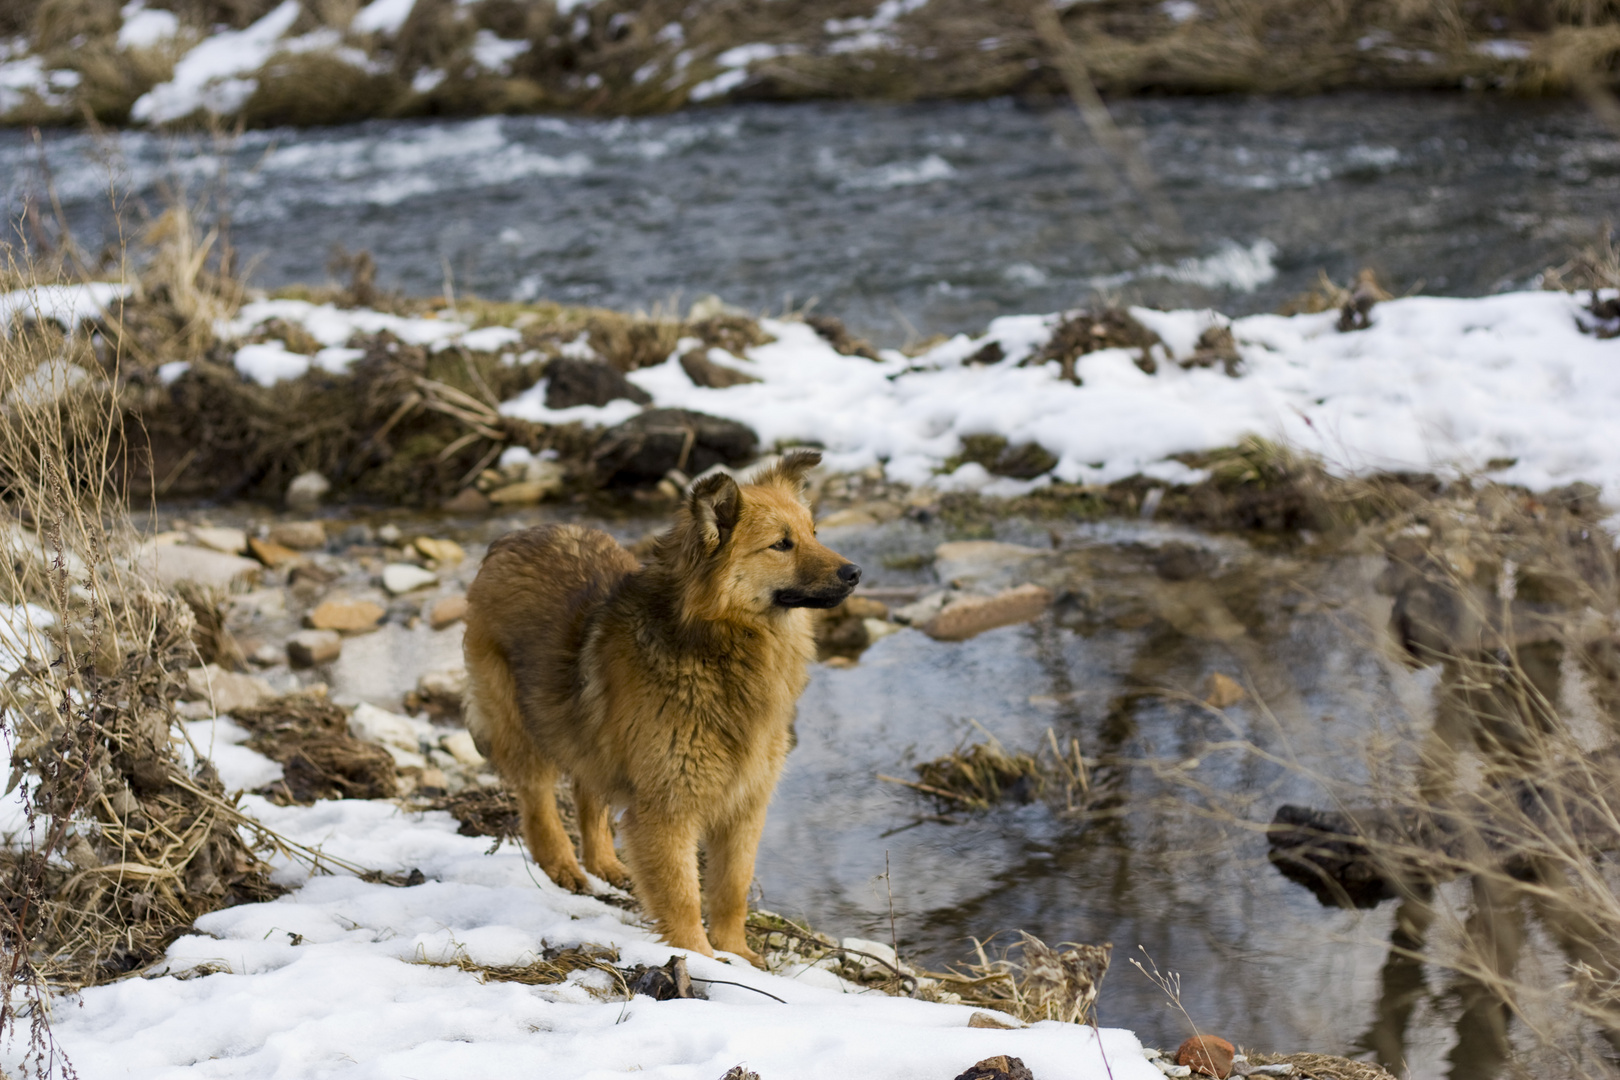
point(571, 382)
point(644, 448)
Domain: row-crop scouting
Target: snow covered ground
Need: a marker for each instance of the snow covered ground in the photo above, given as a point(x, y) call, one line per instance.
point(1507, 385)
point(345, 978)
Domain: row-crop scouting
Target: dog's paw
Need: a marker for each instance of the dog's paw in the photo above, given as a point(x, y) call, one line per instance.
point(613, 872)
point(569, 876)
point(746, 953)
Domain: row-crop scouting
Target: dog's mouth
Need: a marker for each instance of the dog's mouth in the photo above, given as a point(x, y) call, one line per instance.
point(816, 598)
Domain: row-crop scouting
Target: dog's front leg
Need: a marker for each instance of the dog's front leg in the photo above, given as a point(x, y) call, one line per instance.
point(728, 874)
point(663, 864)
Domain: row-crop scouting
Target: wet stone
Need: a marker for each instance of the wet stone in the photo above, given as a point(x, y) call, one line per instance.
point(643, 449)
point(300, 535)
point(526, 492)
point(460, 745)
point(1000, 1067)
point(973, 615)
point(227, 691)
point(174, 563)
point(467, 501)
point(401, 578)
point(307, 648)
point(272, 554)
point(346, 615)
point(306, 491)
point(1207, 1055)
point(572, 382)
point(443, 552)
point(230, 541)
point(447, 611)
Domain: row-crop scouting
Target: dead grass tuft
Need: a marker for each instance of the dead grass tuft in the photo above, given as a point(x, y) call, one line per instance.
point(310, 737)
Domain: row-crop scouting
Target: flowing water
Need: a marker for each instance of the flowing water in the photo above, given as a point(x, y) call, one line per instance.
point(902, 219)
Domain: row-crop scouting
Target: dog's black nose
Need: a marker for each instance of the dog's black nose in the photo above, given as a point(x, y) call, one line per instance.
point(849, 574)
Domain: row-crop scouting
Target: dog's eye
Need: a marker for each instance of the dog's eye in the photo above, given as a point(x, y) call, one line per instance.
point(784, 544)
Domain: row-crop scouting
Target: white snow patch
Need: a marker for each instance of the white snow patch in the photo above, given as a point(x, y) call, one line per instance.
point(22, 636)
point(1436, 384)
point(491, 338)
point(496, 54)
point(337, 978)
point(1504, 49)
point(382, 16)
point(723, 83)
point(144, 27)
point(26, 76)
point(736, 62)
point(68, 305)
point(269, 362)
point(220, 740)
point(209, 77)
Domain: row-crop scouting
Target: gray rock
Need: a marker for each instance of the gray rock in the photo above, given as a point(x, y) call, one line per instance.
point(306, 491)
point(644, 448)
point(920, 611)
point(299, 535)
point(230, 541)
point(227, 691)
point(966, 563)
point(571, 382)
point(174, 563)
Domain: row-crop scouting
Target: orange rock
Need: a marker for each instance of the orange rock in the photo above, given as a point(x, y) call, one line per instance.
point(467, 501)
point(303, 535)
point(346, 615)
point(973, 615)
point(445, 612)
point(1207, 1055)
point(1224, 691)
point(272, 554)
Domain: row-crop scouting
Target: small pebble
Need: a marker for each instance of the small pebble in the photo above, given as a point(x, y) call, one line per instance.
point(447, 611)
point(307, 648)
point(400, 578)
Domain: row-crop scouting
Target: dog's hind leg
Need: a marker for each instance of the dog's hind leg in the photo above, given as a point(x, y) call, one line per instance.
point(492, 715)
point(596, 838)
point(543, 829)
point(663, 862)
point(728, 874)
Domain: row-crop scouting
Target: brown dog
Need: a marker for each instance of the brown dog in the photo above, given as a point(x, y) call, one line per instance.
point(667, 690)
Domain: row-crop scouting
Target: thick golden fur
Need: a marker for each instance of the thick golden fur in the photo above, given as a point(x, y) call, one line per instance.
point(666, 690)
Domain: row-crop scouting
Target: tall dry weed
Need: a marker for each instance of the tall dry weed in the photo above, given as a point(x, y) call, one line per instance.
point(118, 834)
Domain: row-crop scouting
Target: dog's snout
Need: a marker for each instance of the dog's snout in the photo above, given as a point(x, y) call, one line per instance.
point(849, 574)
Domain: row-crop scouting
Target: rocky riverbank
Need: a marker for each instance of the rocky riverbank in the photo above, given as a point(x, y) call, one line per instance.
point(283, 62)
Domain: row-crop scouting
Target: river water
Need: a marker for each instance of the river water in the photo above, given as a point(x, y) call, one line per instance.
point(904, 220)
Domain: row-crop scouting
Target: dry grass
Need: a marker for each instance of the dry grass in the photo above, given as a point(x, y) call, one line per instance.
point(126, 843)
point(130, 835)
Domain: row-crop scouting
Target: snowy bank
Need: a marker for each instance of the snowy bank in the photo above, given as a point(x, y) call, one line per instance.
point(345, 978)
point(1509, 386)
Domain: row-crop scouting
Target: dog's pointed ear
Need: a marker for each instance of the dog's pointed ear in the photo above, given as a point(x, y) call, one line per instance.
point(790, 469)
point(715, 503)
